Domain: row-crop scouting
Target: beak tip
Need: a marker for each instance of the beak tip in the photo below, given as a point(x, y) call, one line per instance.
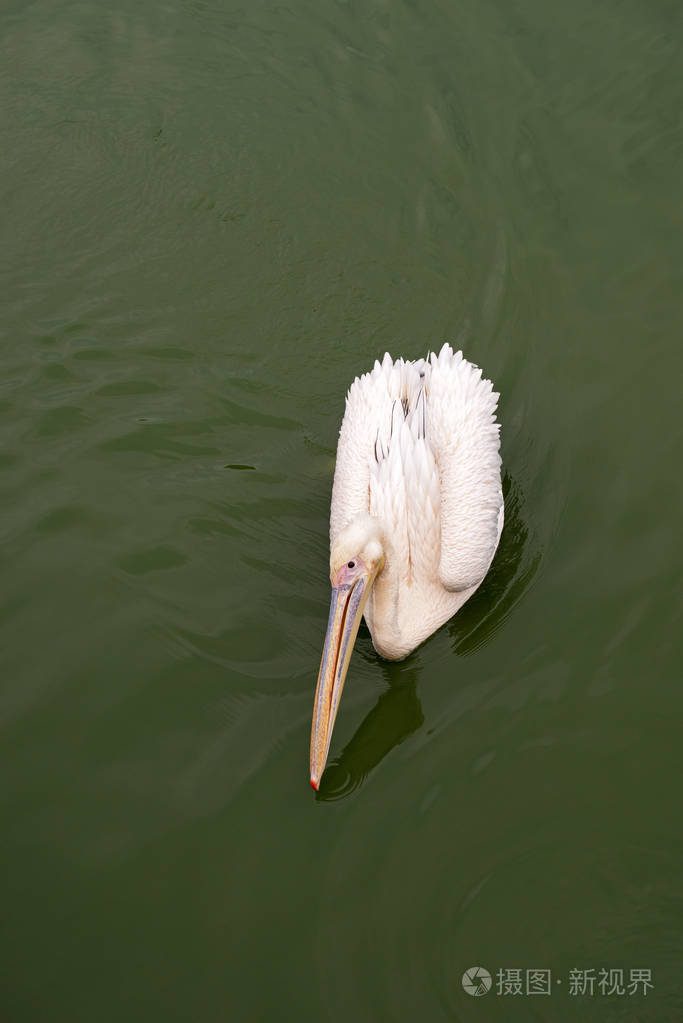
point(314, 784)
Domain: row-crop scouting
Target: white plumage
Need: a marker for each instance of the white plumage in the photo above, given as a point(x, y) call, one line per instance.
point(417, 512)
point(418, 469)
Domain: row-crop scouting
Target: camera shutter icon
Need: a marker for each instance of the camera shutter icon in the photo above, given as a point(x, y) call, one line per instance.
point(476, 981)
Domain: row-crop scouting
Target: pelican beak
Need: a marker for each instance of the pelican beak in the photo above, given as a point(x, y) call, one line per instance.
point(350, 591)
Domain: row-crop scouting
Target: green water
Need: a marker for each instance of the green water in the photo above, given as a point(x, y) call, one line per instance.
point(212, 217)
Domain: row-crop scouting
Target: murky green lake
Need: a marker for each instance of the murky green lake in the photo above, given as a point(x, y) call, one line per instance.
point(213, 216)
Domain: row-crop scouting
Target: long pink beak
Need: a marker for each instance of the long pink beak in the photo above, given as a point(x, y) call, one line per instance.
point(350, 591)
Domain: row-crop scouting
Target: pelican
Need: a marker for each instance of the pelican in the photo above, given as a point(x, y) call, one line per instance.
point(416, 515)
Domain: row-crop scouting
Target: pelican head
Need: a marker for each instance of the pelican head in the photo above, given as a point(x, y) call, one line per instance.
point(356, 559)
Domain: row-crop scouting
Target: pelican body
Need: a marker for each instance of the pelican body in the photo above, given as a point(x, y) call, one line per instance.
point(416, 516)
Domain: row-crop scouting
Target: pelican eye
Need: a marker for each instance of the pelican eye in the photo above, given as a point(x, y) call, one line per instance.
point(351, 564)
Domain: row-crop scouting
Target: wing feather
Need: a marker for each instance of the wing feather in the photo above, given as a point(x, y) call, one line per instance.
point(362, 440)
point(464, 437)
point(380, 406)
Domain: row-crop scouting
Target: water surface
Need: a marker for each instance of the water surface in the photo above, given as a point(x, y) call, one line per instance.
point(213, 217)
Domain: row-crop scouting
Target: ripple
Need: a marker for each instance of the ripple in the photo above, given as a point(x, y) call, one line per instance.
point(66, 419)
point(124, 387)
point(67, 517)
point(156, 559)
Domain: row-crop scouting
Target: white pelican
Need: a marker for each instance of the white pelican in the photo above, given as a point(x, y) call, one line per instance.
point(416, 516)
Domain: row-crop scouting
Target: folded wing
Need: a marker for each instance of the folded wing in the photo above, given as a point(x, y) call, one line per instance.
point(464, 438)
